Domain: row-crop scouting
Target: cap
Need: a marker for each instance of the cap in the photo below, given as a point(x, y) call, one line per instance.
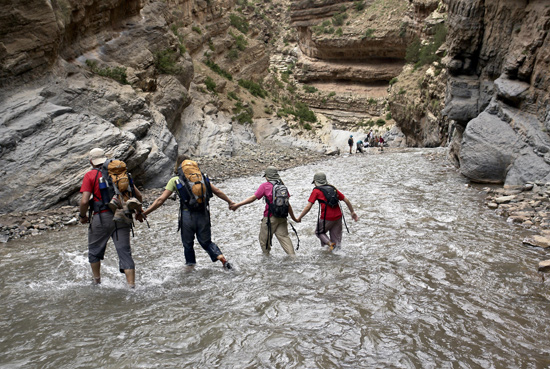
point(320, 179)
point(97, 156)
point(271, 173)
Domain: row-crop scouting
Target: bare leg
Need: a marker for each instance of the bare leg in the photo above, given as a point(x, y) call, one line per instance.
point(96, 272)
point(130, 277)
point(225, 264)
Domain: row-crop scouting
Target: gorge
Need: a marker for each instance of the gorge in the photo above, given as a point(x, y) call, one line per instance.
point(151, 80)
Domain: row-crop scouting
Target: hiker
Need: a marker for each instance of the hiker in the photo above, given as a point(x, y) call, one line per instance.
point(381, 143)
point(271, 223)
point(359, 146)
point(350, 143)
point(330, 214)
point(103, 224)
point(194, 217)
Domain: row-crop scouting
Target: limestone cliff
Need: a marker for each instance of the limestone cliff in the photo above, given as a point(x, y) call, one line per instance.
point(498, 89)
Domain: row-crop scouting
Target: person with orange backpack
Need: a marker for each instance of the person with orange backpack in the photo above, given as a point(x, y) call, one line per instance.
point(194, 190)
point(109, 198)
point(330, 214)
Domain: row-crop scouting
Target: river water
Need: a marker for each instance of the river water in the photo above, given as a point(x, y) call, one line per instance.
point(428, 278)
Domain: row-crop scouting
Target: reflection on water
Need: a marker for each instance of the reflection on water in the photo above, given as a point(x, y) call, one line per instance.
point(427, 278)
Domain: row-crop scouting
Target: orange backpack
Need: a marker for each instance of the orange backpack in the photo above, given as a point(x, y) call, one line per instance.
point(197, 185)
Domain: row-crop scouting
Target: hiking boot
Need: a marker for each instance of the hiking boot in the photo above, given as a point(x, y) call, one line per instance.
point(227, 265)
point(114, 204)
point(121, 217)
point(96, 281)
point(133, 204)
point(331, 246)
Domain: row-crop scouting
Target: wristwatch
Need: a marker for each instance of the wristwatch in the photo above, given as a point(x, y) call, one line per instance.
point(82, 216)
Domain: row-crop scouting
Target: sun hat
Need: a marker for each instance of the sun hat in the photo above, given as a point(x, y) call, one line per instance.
point(97, 156)
point(320, 179)
point(271, 173)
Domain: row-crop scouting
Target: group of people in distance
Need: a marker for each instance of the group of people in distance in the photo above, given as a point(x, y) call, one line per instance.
point(371, 140)
point(195, 222)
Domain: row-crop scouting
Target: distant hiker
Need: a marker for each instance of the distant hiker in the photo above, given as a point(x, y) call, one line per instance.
point(194, 190)
point(277, 209)
point(350, 143)
point(381, 143)
point(330, 214)
point(104, 224)
point(359, 146)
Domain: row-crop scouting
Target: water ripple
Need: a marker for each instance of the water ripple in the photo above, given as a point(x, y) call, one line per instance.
point(427, 278)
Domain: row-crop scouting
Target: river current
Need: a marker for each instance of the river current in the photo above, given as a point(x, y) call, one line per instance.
point(428, 278)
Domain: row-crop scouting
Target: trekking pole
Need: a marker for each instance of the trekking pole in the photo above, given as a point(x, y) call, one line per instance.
point(296, 233)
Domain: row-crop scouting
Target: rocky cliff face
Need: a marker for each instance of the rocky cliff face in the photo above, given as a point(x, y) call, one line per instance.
point(150, 80)
point(350, 51)
point(74, 92)
point(127, 76)
point(498, 89)
point(354, 52)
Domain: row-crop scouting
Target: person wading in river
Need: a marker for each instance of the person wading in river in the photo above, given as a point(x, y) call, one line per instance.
point(271, 225)
point(102, 225)
point(194, 217)
point(330, 214)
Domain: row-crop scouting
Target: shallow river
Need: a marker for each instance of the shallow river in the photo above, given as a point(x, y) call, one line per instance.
point(428, 278)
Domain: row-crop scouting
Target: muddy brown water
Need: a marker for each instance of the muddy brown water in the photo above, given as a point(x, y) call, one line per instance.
point(428, 278)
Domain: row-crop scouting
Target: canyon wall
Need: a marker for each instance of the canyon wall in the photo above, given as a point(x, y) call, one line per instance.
point(102, 73)
point(498, 89)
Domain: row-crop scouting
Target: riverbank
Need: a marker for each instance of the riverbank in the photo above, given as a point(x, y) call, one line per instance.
point(526, 206)
point(252, 159)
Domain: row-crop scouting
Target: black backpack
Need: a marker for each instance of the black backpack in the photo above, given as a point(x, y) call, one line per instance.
point(350, 141)
point(330, 194)
point(332, 200)
point(279, 206)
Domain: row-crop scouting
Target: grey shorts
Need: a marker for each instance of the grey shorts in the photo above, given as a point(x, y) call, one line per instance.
point(103, 227)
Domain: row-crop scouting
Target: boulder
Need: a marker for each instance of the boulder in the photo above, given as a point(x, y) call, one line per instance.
point(537, 241)
point(544, 266)
point(487, 149)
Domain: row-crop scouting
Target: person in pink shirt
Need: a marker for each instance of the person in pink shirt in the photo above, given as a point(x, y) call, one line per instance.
point(270, 225)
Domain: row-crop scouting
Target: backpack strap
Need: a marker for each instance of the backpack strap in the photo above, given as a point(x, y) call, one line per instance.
point(273, 183)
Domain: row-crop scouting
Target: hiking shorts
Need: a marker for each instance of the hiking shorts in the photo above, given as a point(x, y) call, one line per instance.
point(102, 228)
point(334, 227)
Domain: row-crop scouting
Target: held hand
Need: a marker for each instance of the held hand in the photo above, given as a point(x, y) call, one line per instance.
point(297, 220)
point(140, 217)
point(234, 206)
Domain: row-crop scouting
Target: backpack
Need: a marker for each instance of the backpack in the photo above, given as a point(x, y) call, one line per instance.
point(350, 141)
point(117, 181)
point(330, 194)
point(279, 206)
point(195, 189)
